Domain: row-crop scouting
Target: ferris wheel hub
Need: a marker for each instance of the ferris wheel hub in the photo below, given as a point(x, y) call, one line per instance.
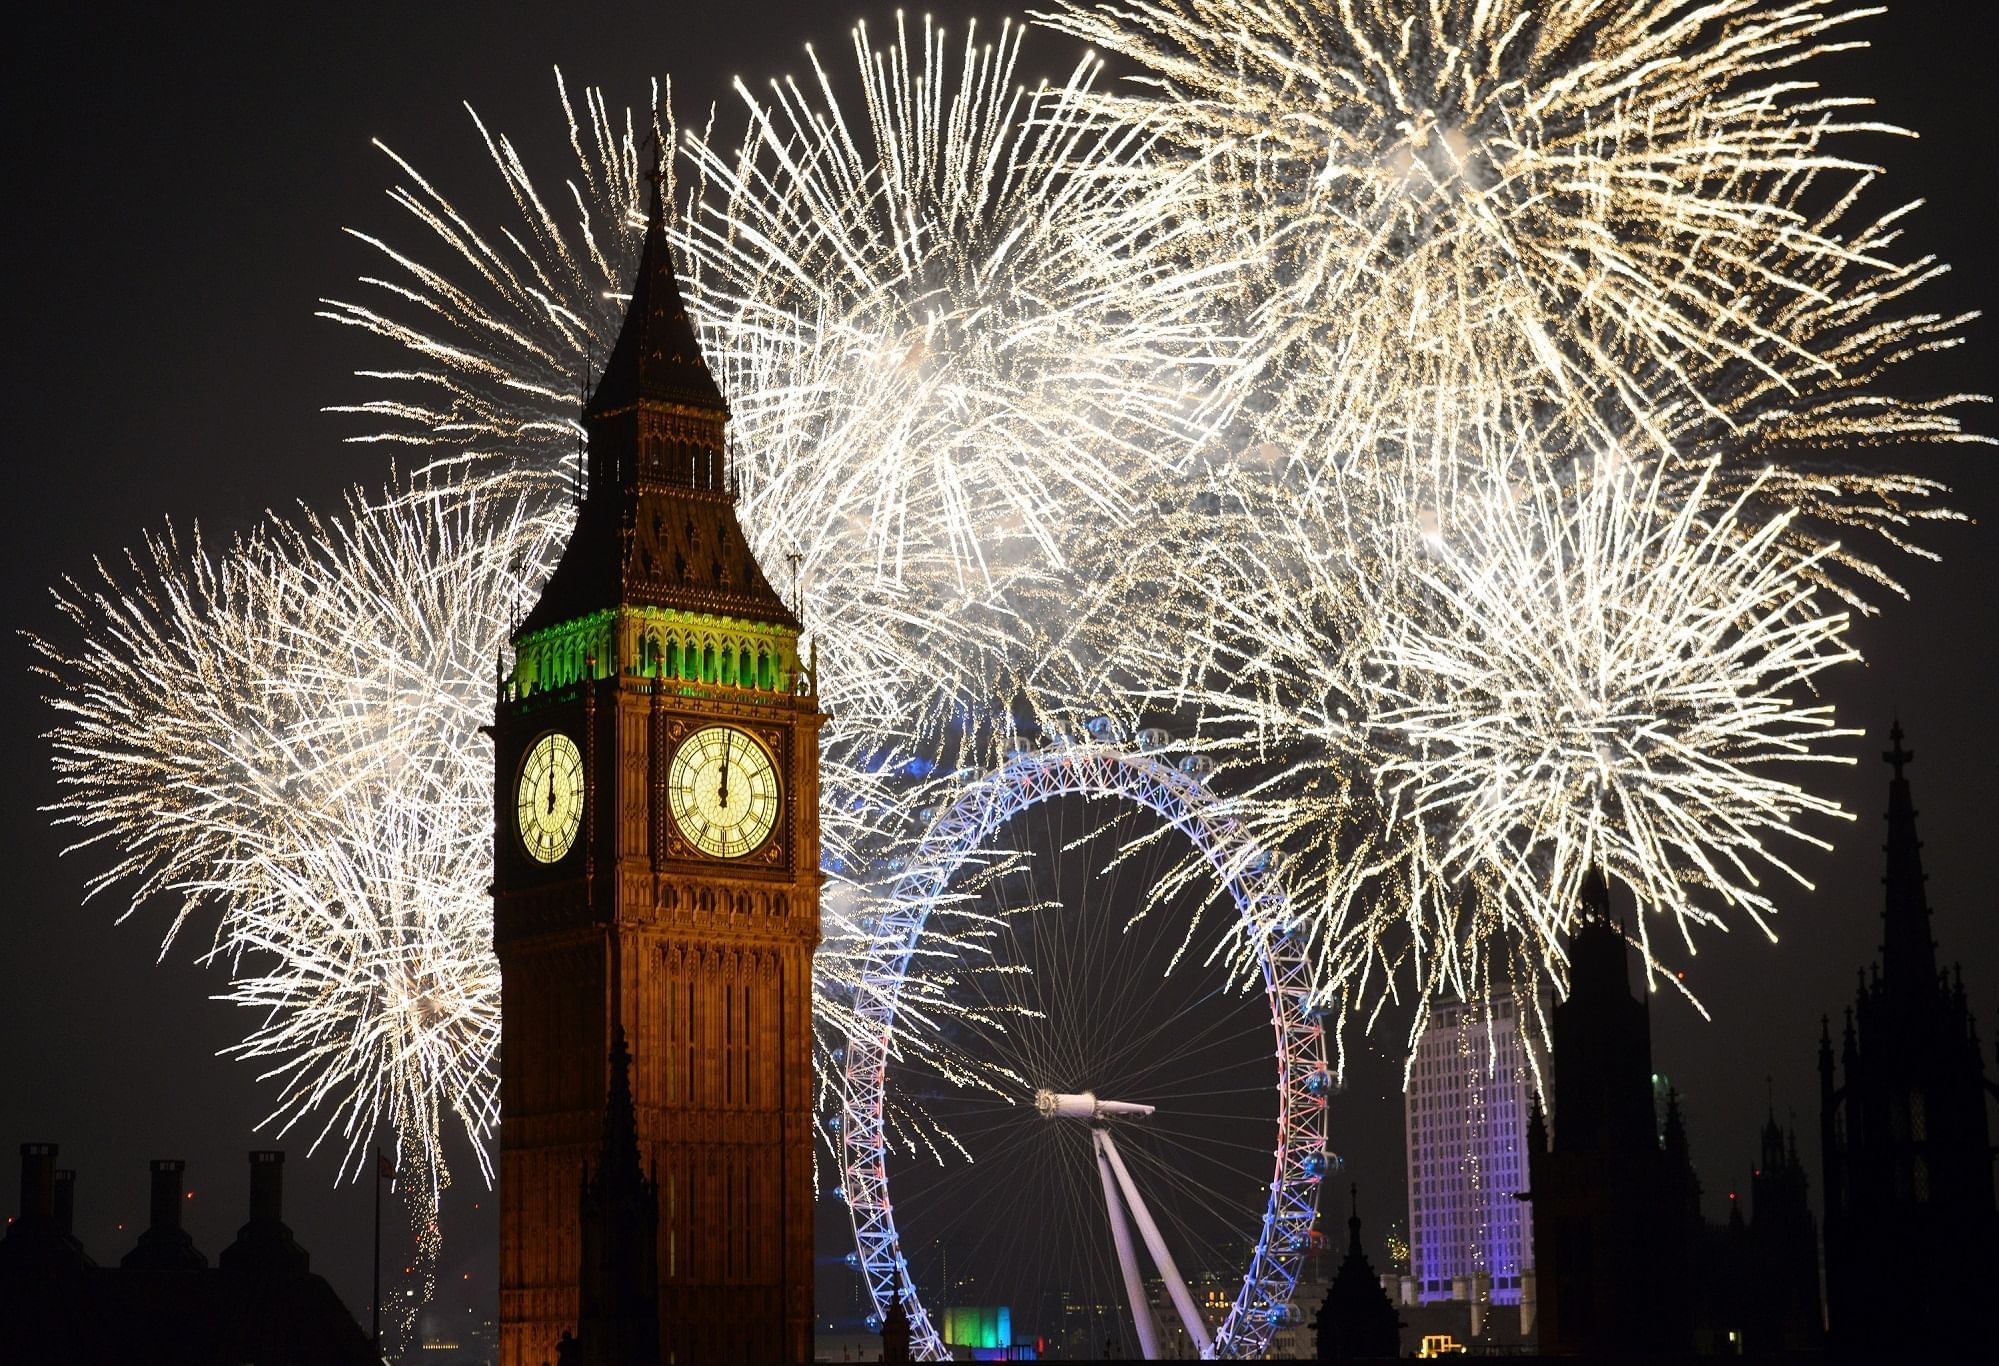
point(1085, 1106)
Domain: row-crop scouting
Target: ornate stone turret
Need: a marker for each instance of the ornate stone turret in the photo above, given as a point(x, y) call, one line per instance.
point(1357, 1321)
point(658, 523)
point(1910, 1227)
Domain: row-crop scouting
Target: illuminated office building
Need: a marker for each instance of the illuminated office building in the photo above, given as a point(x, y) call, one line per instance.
point(1466, 1118)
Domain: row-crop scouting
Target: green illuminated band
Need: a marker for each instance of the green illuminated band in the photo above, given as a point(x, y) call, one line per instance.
point(654, 642)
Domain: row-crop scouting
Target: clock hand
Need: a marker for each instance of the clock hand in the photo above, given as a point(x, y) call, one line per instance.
point(551, 790)
point(723, 791)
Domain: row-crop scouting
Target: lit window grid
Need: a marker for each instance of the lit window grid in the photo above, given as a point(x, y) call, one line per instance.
point(1465, 1112)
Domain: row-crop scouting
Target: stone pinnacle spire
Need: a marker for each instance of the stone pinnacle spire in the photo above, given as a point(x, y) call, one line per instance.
point(657, 356)
point(1908, 954)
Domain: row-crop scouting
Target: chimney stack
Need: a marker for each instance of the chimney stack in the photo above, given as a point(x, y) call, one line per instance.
point(168, 1191)
point(264, 1246)
point(39, 1237)
point(38, 1181)
point(267, 1186)
point(166, 1246)
point(65, 1201)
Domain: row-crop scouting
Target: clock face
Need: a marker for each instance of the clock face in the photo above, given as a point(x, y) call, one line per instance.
point(723, 791)
point(549, 803)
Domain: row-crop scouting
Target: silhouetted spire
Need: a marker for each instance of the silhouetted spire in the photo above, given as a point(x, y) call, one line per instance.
point(1593, 897)
point(895, 1329)
point(1598, 954)
point(1908, 954)
point(657, 355)
point(618, 1323)
point(1675, 1126)
point(1356, 1319)
point(1602, 1039)
point(1773, 1144)
point(620, 1155)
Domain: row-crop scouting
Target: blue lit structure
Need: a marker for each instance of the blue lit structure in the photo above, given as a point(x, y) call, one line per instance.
point(1099, 767)
point(1466, 1109)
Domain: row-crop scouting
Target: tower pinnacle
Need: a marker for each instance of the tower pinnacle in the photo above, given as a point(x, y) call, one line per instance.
point(1908, 954)
point(657, 527)
point(657, 355)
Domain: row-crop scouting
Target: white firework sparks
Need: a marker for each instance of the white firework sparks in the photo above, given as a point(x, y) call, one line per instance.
point(1442, 723)
point(1606, 677)
point(941, 386)
point(300, 758)
point(1561, 229)
point(1645, 217)
point(975, 336)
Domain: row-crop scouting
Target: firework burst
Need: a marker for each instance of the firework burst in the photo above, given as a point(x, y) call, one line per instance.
point(941, 388)
point(1278, 397)
point(1646, 218)
point(300, 759)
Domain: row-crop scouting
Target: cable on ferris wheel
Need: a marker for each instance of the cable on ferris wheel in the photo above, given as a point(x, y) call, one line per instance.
point(1097, 767)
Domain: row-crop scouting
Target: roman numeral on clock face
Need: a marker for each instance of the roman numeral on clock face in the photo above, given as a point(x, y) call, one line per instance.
point(548, 801)
point(723, 790)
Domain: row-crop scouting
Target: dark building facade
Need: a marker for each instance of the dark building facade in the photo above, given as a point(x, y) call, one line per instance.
point(164, 1303)
point(1616, 1211)
point(656, 873)
point(1910, 1233)
point(1757, 1291)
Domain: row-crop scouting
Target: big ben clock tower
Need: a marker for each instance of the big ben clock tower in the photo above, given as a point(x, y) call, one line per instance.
point(657, 878)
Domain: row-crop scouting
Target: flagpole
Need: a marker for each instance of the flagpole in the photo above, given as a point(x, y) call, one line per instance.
point(377, 1304)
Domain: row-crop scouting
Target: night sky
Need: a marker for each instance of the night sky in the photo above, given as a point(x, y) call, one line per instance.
point(175, 190)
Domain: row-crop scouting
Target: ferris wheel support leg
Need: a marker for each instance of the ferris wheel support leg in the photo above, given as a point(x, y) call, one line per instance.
point(1127, 1259)
point(1197, 1327)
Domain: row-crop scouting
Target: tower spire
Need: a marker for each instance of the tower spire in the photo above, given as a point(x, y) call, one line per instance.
point(657, 355)
point(1908, 954)
point(657, 524)
point(618, 1280)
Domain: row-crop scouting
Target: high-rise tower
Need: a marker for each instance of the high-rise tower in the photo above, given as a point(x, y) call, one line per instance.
point(656, 857)
point(1470, 1235)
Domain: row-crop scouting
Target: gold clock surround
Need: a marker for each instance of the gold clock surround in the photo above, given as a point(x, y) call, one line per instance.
point(723, 789)
point(548, 800)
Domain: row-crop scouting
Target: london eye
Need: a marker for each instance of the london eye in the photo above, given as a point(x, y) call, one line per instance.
point(1121, 1141)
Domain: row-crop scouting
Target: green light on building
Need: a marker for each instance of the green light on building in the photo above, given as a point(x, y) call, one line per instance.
point(978, 1326)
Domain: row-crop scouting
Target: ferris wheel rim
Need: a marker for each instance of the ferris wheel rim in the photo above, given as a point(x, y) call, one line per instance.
point(1142, 776)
